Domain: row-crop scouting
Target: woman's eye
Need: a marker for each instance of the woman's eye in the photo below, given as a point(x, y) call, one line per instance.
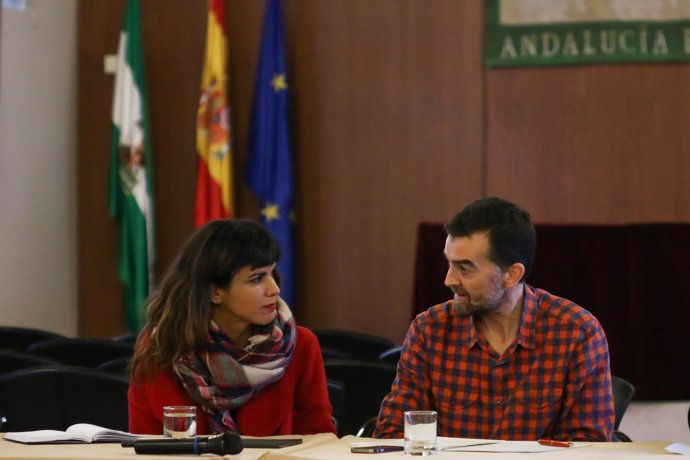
point(256, 279)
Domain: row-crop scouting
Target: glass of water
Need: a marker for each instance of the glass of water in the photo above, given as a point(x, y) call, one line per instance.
point(179, 421)
point(420, 432)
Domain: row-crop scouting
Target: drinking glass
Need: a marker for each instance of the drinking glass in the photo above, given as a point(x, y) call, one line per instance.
point(179, 421)
point(420, 432)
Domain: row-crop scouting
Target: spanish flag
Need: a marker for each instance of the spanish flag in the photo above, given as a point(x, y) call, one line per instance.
point(214, 198)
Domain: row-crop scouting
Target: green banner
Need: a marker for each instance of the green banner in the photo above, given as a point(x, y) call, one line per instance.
point(569, 32)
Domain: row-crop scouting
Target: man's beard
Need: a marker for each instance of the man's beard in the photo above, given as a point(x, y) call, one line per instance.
point(480, 305)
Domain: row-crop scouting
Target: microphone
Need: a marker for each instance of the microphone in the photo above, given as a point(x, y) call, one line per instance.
point(221, 444)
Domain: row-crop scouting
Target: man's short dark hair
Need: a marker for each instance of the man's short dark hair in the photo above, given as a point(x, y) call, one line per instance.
point(512, 237)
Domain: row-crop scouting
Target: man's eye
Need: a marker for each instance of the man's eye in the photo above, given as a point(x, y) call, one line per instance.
point(256, 279)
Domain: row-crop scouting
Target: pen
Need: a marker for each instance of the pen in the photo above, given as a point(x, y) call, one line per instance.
point(554, 443)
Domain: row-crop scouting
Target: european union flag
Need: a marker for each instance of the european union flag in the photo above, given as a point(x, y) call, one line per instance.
point(269, 171)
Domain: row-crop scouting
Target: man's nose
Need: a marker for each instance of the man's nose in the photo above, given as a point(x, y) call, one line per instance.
point(452, 278)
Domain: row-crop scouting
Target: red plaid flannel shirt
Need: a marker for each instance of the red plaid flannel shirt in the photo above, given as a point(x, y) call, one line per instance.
point(553, 382)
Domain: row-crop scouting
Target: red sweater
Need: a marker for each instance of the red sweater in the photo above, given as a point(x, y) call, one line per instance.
point(296, 404)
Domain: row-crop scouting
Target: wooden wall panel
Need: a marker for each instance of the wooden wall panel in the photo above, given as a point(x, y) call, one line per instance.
point(591, 144)
point(395, 122)
point(99, 293)
point(387, 102)
point(386, 115)
point(173, 50)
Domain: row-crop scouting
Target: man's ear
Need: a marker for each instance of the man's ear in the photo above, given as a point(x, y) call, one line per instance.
point(514, 274)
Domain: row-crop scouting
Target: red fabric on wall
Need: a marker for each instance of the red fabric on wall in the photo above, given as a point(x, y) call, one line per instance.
point(631, 277)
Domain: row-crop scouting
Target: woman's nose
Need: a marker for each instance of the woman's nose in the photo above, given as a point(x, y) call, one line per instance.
point(272, 289)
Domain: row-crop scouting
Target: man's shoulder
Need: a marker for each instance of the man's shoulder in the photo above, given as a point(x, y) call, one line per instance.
point(562, 309)
point(435, 315)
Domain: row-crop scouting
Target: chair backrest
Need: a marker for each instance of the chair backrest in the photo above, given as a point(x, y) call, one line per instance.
point(55, 397)
point(118, 366)
point(367, 428)
point(351, 345)
point(366, 384)
point(623, 392)
point(338, 397)
point(12, 360)
point(391, 355)
point(82, 352)
point(127, 337)
point(19, 338)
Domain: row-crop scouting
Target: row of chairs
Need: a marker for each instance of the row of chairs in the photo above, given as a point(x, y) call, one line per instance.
point(339, 344)
point(91, 353)
point(24, 347)
point(11, 360)
point(358, 379)
point(65, 395)
point(360, 369)
point(361, 386)
point(57, 396)
point(50, 381)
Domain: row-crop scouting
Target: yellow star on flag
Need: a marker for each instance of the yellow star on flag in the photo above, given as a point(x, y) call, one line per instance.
point(271, 212)
point(279, 83)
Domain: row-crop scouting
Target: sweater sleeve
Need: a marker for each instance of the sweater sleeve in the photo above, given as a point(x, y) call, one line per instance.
point(312, 411)
point(141, 417)
point(148, 395)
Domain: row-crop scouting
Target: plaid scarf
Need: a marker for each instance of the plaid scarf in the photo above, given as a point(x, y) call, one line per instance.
point(222, 377)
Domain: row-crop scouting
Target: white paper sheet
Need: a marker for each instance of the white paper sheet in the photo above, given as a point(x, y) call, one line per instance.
point(678, 448)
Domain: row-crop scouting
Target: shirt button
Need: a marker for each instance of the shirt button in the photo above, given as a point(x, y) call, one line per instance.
point(498, 402)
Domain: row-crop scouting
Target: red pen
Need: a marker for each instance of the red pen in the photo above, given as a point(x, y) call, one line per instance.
point(555, 443)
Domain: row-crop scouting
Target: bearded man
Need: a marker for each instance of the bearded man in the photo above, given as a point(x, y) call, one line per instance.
point(502, 359)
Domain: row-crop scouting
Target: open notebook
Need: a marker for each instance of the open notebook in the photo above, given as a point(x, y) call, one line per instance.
point(78, 433)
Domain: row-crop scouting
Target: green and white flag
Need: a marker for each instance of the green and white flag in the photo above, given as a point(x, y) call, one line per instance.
point(130, 187)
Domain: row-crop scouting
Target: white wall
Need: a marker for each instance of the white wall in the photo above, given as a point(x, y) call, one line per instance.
point(657, 421)
point(38, 100)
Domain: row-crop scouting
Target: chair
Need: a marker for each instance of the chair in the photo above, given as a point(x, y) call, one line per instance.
point(367, 428)
point(391, 356)
point(330, 353)
point(55, 397)
point(12, 360)
point(623, 392)
point(82, 352)
point(351, 345)
point(19, 338)
point(338, 399)
point(118, 366)
point(127, 337)
point(366, 384)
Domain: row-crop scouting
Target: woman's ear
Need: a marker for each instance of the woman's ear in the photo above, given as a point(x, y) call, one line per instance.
point(215, 294)
point(514, 274)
